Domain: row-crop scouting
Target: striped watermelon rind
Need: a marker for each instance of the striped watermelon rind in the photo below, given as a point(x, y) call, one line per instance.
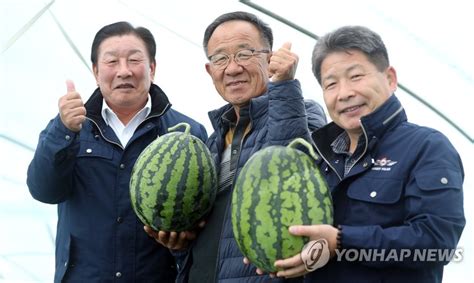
point(173, 182)
point(278, 187)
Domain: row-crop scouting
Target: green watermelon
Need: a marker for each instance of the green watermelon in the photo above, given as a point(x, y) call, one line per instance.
point(278, 187)
point(173, 182)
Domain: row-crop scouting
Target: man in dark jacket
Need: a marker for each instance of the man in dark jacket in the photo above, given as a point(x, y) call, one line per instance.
point(260, 112)
point(84, 159)
point(396, 186)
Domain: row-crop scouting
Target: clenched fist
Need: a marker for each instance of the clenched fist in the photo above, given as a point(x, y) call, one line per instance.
point(71, 108)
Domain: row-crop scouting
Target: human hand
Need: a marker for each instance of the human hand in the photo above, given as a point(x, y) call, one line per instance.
point(259, 271)
point(173, 240)
point(71, 108)
point(294, 266)
point(283, 64)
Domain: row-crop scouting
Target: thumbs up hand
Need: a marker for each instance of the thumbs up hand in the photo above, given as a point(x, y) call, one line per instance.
point(71, 108)
point(283, 64)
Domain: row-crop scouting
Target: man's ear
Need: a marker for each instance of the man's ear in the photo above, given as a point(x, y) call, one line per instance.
point(392, 78)
point(152, 70)
point(208, 69)
point(96, 73)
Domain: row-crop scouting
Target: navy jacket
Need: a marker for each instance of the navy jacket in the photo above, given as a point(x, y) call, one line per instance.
point(275, 118)
point(99, 238)
point(403, 196)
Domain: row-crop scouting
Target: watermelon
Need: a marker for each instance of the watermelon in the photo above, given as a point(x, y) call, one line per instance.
point(173, 182)
point(278, 187)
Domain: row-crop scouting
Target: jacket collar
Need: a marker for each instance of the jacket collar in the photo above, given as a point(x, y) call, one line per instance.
point(385, 118)
point(374, 126)
point(258, 106)
point(159, 104)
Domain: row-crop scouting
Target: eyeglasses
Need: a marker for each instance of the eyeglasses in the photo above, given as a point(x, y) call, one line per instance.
point(222, 60)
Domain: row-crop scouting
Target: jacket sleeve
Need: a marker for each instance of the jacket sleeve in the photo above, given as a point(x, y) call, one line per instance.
point(316, 115)
point(433, 212)
point(50, 173)
point(201, 133)
point(287, 118)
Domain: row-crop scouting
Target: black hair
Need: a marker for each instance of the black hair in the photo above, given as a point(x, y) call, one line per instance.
point(123, 28)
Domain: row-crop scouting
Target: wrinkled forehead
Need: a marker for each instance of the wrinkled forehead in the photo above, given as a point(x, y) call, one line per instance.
point(234, 34)
point(122, 43)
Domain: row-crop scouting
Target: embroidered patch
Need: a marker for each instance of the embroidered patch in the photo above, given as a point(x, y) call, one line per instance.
point(383, 164)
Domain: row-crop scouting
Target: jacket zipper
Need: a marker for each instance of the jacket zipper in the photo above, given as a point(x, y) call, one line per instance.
point(216, 271)
point(332, 167)
point(365, 148)
point(102, 134)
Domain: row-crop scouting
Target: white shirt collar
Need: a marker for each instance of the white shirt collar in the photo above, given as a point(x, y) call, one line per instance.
point(125, 132)
point(107, 111)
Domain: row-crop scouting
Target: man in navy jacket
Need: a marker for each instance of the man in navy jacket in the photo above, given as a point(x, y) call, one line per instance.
point(259, 112)
point(84, 159)
point(396, 186)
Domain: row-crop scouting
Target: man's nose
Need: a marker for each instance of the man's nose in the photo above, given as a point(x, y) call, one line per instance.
point(345, 90)
point(123, 69)
point(233, 65)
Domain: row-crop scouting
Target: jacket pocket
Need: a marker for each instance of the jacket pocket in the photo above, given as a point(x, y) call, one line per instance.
point(376, 191)
point(439, 179)
point(94, 150)
point(374, 202)
point(94, 168)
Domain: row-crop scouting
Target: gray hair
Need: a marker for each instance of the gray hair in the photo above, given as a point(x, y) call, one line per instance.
point(264, 29)
point(348, 38)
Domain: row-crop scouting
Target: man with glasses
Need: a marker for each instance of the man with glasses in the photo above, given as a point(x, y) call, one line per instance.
point(265, 107)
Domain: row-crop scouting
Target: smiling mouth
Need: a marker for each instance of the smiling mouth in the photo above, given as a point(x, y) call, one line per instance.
point(235, 83)
point(124, 86)
point(351, 109)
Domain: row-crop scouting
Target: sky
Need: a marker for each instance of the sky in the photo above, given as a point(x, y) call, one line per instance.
point(43, 43)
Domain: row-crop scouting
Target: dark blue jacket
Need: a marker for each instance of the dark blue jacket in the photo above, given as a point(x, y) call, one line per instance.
point(99, 238)
point(403, 196)
point(276, 118)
